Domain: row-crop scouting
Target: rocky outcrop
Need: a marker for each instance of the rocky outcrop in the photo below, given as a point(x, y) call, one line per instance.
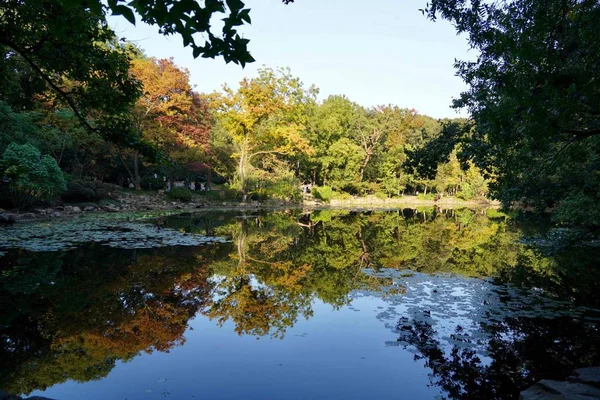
point(584, 384)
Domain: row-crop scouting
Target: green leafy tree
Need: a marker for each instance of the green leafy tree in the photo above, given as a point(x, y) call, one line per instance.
point(373, 128)
point(17, 127)
point(534, 95)
point(265, 117)
point(342, 164)
point(474, 184)
point(449, 176)
point(76, 55)
point(334, 119)
point(406, 130)
point(31, 176)
point(390, 174)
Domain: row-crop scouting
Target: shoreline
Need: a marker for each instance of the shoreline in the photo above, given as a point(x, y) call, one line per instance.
point(140, 202)
point(444, 202)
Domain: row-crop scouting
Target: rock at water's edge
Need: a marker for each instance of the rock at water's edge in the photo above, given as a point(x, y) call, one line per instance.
point(584, 384)
point(7, 219)
point(591, 376)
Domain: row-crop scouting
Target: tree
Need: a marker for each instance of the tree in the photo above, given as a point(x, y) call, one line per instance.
point(363, 148)
point(39, 26)
point(401, 129)
point(72, 52)
point(266, 116)
point(169, 114)
point(373, 127)
point(17, 127)
point(342, 164)
point(449, 176)
point(68, 47)
point(332, 120)
point(534, 95)
point(32, 177)
point(474, 184)
point(390, 174)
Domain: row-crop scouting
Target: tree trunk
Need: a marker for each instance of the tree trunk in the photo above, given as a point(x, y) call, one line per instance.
point(364, 164)
point(171, 180)
point(131, 176)
point(136, 172)
point(242, 170)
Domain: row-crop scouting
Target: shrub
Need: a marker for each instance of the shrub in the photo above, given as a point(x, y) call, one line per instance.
point(221, 193)
point(31, 176)
point(371, 188)
point(381, 195)
point(180, 193)
point(354, 188)
point(152, 183)
point(76, 191)
point(341, 196)
point(495, 213)
point(286, 188)
point(465, 194)
point(257, 195)
point(81, 191)
point(324, 193)
point(428, 196)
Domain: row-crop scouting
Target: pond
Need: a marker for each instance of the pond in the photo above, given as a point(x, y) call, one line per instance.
point(321, 304)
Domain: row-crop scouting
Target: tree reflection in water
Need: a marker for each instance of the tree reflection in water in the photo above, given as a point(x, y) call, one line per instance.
point(516, 353)
point(73, 314)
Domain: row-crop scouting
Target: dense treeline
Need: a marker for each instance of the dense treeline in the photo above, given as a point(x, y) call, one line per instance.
point(73, 93)
point(263, 140)
point(278, 136)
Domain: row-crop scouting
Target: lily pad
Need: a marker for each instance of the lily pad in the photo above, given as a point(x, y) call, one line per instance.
point(129, 232)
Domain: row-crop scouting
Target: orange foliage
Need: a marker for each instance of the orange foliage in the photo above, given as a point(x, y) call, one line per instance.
point(170, 113)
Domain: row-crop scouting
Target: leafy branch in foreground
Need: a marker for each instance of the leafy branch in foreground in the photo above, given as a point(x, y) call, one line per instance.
point(188, 19)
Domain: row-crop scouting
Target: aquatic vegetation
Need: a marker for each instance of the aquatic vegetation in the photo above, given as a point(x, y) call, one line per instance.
point(127, 232)
point(468, 295)
point(487, 340)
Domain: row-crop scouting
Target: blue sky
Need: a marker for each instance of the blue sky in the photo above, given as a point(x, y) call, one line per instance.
point(374, 52)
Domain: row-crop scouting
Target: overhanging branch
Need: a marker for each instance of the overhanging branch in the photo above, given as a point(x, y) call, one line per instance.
point(49, 81)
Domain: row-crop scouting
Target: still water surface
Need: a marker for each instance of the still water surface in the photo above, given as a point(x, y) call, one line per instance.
point(428, 304)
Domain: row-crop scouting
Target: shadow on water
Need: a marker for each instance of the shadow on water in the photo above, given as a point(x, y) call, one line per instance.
point(488, 313)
